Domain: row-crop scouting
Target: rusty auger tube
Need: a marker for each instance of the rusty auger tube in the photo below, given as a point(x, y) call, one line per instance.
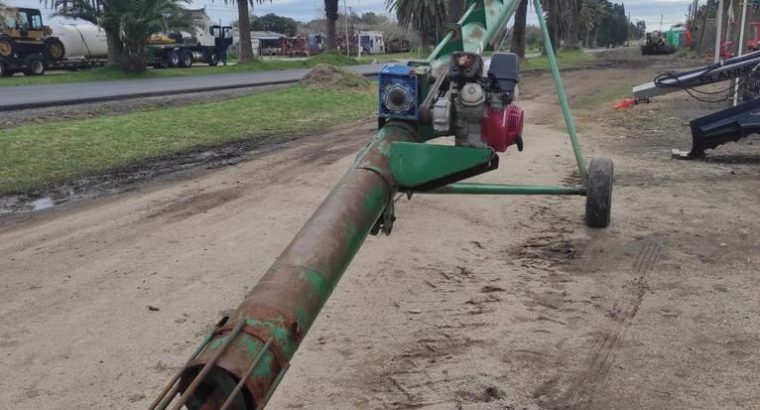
point(281, 308)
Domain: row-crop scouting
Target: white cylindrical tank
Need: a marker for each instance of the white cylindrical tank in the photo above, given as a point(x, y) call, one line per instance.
point(82, 41)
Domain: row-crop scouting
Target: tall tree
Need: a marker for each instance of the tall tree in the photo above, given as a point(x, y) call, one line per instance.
point(588, 21)
point(423, 15)
point(553, 21)
point(518, 30)
point(331, 13)
point(137, 21)
point(244, 27)
point(273, 22)
point(573, 11)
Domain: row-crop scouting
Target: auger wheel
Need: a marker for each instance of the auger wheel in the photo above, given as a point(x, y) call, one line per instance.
point(599, 193)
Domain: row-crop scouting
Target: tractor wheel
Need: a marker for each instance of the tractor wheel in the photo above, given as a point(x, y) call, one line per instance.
point(3, 70)
point(185, 59)
point(213, 59)
point(599, 193)
point(53, 49)
point(172, 58)
point(6, 46)
point(36, 67)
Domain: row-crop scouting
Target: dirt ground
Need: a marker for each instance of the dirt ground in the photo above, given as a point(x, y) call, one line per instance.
point(471, 303)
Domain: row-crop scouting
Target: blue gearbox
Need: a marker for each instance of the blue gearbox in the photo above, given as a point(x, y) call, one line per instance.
point(399, 93)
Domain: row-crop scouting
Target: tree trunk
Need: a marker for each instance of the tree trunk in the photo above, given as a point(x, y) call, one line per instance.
point(133, 56)
point(244, 27)
point(518, 32)
point(572, 24)
point(553, 22)
point(425, 39)
point(115, 49)
point(331, 13)
point(454, 10)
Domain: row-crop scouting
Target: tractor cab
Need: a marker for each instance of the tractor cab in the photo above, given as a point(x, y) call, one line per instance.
point(23, 24)
point(22, 35)
point(221, 34)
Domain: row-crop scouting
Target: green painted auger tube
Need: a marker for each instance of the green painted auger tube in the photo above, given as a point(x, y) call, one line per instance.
point(240, 363)
point(247, 355)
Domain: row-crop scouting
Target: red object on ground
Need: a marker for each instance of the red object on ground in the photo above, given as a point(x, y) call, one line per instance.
point(626, 103)
point(500, 129)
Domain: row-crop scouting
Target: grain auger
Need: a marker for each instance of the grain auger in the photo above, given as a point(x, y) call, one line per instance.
point(455, 92)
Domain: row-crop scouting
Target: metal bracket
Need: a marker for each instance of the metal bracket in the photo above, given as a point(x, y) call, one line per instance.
point(422, 167)
point(384, 224)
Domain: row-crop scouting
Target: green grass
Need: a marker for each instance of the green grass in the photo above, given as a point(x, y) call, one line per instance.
point(107, 73)
point(35, 156)
point(565, 59)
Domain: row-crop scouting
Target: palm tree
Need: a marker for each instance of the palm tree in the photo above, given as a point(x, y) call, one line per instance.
point(588, 20)
point(137, 21)
point(331, 13)
point(425, 16)
point(518, 31)
point(553, 10)
point(244, 27)
point(571, 22)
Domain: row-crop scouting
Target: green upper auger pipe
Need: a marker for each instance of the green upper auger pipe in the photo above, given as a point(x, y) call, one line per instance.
point(474, 32)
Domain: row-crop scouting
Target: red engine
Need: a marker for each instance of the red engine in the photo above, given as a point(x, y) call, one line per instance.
point(502, 128)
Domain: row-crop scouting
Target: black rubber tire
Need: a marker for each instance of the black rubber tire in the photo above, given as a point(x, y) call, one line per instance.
point(172, 59)
point(599, 193)
point(3, 70)
point(7, 46)
point(36, 67)
point(213, 59)
point(185, 59)
point(53, 49)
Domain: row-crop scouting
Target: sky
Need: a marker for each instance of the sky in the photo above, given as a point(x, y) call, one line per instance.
point(672, 11)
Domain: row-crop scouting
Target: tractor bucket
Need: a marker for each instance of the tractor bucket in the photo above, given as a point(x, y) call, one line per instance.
point(731, 124)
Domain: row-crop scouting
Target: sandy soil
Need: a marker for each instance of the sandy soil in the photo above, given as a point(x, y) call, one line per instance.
point(472, 303)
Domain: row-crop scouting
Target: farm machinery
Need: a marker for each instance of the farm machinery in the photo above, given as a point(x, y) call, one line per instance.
point(656, 45)
point(25, 43)
point(455, 92)
point(727, 125)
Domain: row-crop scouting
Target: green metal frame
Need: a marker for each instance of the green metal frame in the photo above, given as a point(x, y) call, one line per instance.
point(413, 164)
point(473, 33)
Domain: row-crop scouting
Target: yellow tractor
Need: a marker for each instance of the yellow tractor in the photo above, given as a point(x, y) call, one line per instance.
point(23, 36)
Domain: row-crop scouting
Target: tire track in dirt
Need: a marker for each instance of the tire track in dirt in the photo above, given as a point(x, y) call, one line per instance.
point(600, 359)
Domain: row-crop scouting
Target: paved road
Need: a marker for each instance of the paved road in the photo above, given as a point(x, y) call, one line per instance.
point(36, 96)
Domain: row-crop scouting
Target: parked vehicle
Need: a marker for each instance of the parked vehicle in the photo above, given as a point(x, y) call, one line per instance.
point(26, 44)
point(399, 45)
point(183, 49)
point(371, 42)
